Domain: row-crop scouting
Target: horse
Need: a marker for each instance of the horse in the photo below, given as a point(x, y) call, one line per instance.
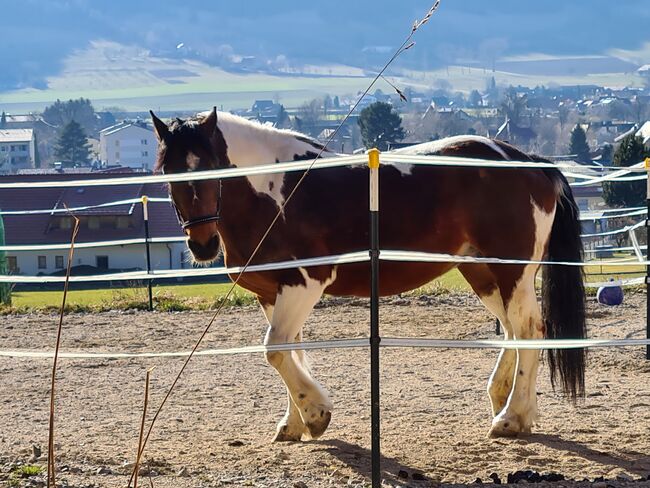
point(518, 213)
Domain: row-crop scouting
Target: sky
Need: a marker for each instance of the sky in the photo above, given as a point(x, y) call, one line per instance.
point(335, 31)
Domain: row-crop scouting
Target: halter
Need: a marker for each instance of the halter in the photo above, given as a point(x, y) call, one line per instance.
point(186, 224)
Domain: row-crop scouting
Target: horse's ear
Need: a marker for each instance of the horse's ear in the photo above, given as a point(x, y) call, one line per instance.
point(159, 127)
point(209, 124)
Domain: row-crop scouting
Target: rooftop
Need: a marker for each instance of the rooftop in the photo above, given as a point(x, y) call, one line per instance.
point(16, 135)
point(124, 125)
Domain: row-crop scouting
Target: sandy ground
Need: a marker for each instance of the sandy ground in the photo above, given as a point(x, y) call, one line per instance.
point(216, 428)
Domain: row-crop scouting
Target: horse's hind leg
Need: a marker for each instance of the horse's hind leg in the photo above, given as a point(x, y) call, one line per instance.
point(524, 315)
point(484, 284)
point(292, 307)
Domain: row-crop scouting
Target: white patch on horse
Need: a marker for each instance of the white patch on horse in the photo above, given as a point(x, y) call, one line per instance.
point(525, 317)
point(192, 160)
point(252, 144)
point(436, 147)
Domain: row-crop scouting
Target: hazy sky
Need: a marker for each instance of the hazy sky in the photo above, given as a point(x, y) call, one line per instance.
point(335, 30)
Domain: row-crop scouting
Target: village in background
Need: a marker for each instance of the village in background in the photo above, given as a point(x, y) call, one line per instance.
point(581, 125)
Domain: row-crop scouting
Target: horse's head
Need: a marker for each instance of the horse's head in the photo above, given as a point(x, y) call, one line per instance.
point(194, 145)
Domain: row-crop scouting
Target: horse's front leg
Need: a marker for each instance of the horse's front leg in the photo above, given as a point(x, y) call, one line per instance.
point(306, 397)
point(291, 427)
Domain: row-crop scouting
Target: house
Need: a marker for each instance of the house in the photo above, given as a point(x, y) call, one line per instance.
point(97, 224)
point(17, 149)
point(520, 136)
point(128, 144)
point(644, 133)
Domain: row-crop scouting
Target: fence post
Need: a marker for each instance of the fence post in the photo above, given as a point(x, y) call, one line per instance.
point(375, 339)
point(647, 243)
point(145, 214)
point(5, 288)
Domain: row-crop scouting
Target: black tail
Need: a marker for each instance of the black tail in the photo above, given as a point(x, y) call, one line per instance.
point(563, 293)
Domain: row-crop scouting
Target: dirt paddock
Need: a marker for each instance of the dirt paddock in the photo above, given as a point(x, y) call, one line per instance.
point(217, 427)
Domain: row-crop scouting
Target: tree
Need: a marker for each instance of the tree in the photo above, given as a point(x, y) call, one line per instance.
point(5, 288)
point(514, 105)
point(3, 120)
point(627, 193)
point(475, 99)
point(61, 113)
point(72, 146)
point(283, 120)
point(578, 144)
point(379, 125)
point(309, 114)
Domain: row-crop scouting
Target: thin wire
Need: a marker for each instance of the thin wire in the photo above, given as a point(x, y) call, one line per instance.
point(50, 441)
point(404, 46)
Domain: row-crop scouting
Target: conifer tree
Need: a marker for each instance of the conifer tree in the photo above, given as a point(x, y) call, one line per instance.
point(72, 146)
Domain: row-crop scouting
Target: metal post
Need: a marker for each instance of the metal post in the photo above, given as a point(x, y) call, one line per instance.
point(145, 214)
point(375, 339)
point(497, 327)
point(647, 277)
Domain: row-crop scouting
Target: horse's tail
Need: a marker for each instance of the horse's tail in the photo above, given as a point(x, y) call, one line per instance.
point(563, 292)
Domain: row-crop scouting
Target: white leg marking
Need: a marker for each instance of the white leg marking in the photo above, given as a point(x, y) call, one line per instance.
point(524, 314)
point(500, 382)
point(292, 307)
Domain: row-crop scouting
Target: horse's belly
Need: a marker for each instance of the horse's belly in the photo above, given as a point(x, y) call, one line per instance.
point(394, 277)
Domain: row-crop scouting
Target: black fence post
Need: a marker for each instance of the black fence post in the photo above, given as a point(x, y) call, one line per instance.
point(375, 339)
point(647, 272)
point(145, 214)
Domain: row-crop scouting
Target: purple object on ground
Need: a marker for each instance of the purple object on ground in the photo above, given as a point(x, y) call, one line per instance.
point(610, 294)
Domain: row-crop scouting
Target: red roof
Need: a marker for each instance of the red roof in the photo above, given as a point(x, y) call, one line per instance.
point(45, 228)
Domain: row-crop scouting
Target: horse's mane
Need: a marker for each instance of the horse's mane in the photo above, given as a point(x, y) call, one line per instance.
point(225, 119)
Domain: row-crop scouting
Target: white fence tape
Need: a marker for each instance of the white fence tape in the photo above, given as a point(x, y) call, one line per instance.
point(343, 344)
point(627, 228)
point(88, 245)
point(354, 257)
point(608, 284)
point(333, 162)
point(80, 209)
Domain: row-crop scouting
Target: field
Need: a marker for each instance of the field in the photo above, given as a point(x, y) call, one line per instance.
point(112, 75)
point(216, 429)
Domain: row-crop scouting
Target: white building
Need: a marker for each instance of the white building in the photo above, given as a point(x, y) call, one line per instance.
point(17, 149)
point(129, 144)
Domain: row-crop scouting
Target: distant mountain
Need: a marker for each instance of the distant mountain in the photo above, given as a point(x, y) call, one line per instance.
point(37, 36)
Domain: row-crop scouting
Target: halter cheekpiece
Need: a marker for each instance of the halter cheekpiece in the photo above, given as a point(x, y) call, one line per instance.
point(186, 224)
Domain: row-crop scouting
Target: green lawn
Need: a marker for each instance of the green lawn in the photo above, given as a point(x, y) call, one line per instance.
point(207, 296)
point(172, 297)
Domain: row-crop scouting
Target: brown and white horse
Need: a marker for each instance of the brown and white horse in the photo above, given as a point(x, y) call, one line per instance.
point(518, 213)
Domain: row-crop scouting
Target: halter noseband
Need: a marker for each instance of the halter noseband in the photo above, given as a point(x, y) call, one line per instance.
point(186, 224)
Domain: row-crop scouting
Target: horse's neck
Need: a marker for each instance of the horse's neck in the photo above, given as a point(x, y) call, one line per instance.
point(252, 144)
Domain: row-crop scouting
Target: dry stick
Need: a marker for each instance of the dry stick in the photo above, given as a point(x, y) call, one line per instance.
point(138, 456)
point(51, 478)
point(407, 44)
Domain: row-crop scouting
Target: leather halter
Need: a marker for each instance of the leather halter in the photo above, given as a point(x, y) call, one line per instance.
point(186, 224)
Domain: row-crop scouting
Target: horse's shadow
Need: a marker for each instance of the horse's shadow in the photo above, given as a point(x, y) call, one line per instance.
point(631, 461)
point(359, 459)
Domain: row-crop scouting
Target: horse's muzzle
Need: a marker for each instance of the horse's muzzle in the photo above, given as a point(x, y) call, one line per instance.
point(205, 252)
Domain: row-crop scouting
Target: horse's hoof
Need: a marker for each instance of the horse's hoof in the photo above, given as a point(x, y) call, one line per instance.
point(503, 426)
point(317, 427)
point(285, 434)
